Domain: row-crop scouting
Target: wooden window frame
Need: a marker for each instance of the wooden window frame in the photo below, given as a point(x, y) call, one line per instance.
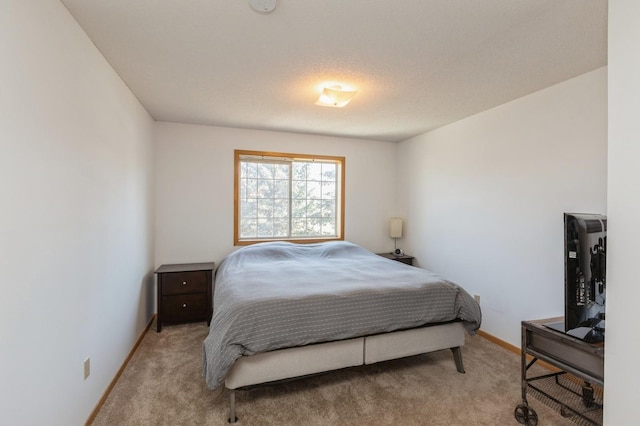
point(340, 198)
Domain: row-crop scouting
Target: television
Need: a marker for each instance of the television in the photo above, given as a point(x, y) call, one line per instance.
point(585, 275)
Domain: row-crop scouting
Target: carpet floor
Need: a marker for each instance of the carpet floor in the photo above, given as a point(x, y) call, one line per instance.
point(162, 385)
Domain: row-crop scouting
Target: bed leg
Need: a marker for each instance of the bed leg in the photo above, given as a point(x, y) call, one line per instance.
point(457, 357)
point(232, 406)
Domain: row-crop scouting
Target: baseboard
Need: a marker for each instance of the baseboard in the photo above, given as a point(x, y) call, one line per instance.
point(515, 350)
point(106, 393)
point(499, 342)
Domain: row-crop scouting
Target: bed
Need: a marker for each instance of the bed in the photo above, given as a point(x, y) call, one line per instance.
point(285, 310)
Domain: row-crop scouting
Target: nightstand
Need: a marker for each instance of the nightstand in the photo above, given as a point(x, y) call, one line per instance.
point(404, 258)
point(184, 293)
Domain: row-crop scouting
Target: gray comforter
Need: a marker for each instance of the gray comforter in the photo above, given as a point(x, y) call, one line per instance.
point(277, 295)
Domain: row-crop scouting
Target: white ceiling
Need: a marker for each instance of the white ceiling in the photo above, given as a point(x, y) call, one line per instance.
point(417, 64)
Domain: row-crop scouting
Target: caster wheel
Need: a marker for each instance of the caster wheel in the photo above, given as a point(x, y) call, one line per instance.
point(525, 415)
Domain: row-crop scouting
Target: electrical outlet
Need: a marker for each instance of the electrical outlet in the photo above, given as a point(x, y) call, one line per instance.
point(87, 368)
point(476, 297)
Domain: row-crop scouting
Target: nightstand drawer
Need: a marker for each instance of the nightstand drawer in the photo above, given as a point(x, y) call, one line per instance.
point(184, 282)
point(186, 307)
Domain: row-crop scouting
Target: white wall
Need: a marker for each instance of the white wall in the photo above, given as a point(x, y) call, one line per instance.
point(194, 187)
point(622, 393)
point(484, 197)
point(76, 222)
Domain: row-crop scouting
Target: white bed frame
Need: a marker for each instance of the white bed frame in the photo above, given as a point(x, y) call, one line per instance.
point(311, 359)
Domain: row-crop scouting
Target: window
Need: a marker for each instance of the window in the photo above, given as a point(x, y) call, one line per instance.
point(288, 197)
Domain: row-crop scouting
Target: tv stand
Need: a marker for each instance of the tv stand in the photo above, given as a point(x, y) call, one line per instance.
point(576, 361)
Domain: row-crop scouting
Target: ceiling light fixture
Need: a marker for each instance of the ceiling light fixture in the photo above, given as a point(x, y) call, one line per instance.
point(335, 96)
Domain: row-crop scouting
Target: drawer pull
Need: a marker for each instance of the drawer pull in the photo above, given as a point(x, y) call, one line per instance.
point(184, 305)
point(184, 283)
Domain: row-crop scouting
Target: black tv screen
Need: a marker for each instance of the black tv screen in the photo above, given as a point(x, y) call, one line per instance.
point(585, 248)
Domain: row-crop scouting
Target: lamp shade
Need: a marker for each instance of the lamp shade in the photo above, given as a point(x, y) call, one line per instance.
point(395, 227)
